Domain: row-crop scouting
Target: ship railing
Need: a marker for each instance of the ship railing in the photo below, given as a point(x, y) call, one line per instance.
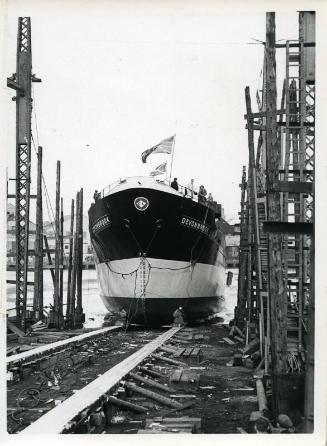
point(193, 195)
point(111, 186)
point(184, 191)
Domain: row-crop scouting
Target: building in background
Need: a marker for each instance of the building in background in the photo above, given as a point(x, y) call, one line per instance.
point(232, 241)
point(49, 231)
point(11, 237)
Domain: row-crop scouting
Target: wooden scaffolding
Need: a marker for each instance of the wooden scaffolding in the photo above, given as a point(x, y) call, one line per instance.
point(277, 214)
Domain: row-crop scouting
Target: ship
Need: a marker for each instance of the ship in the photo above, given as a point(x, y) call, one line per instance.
point(157, 249)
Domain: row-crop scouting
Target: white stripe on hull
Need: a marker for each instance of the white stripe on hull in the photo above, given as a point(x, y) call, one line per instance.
point(157, 278)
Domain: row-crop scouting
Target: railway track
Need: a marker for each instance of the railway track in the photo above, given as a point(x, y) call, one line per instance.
point(141, 375)
point(119, 382)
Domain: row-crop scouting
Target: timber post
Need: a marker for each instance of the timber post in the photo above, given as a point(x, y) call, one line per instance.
point(278, 301)
point(61, 261)
point(38, 263)
point(55, 320)
point(70, 262)
point(79, 316)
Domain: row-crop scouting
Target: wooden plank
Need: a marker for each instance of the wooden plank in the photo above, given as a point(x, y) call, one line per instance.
point(169, 420)
point(12, 327)
point(295, 45)
point(158, 431)
point(239, 339)
point(45, 349)
point(262, 114)
point(229, 341)
point(283, 227)
point(13, 282)
point(12, 350)
point(187, 351)
point(302, 187)
point(179, 352)
point(12, 337)
point(196, 352)
point(55, 421)
point(178, 340)
point(184, 337)
point(184, 427)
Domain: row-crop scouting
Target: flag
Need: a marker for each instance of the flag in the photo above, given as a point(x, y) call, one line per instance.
point(159, 170)
point(164, 146)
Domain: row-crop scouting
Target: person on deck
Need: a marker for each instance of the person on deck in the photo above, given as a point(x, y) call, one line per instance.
point(96, 195)
point(202, 195)
point(210, 197)
point(174, 184)
point(190, 189)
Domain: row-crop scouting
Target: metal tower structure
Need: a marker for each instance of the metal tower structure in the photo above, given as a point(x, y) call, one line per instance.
point(21, 81)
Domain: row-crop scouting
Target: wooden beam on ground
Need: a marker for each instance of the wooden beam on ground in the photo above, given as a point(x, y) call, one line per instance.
point(151, 382)
point(150, 372)
point(153, 395)
point(12, 327)
point(168, 360)
point(262, 400)
point(126, 405)
point(229, 341)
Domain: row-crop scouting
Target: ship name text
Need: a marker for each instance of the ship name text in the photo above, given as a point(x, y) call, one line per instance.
point(194, 224)
point(101, 224)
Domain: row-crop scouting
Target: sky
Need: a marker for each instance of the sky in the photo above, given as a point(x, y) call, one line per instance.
point(118, 77)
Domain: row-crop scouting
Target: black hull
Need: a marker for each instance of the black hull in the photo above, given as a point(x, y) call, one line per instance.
point(156, 250)
point(163, 231)
point(156, 312)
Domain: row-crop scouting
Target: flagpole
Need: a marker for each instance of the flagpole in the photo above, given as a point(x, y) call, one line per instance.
point(172, 157)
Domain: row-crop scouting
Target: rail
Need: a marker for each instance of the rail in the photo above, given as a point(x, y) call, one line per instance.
point(39, 352)
point(183, 190)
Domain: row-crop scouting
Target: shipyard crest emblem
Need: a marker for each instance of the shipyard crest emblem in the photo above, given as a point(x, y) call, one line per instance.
point(141, 203)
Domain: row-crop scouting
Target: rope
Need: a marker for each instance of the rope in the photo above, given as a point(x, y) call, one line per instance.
point(294, 365)
point(48, 200)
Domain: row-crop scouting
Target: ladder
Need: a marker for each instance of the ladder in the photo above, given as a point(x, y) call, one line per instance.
point(297, 281)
